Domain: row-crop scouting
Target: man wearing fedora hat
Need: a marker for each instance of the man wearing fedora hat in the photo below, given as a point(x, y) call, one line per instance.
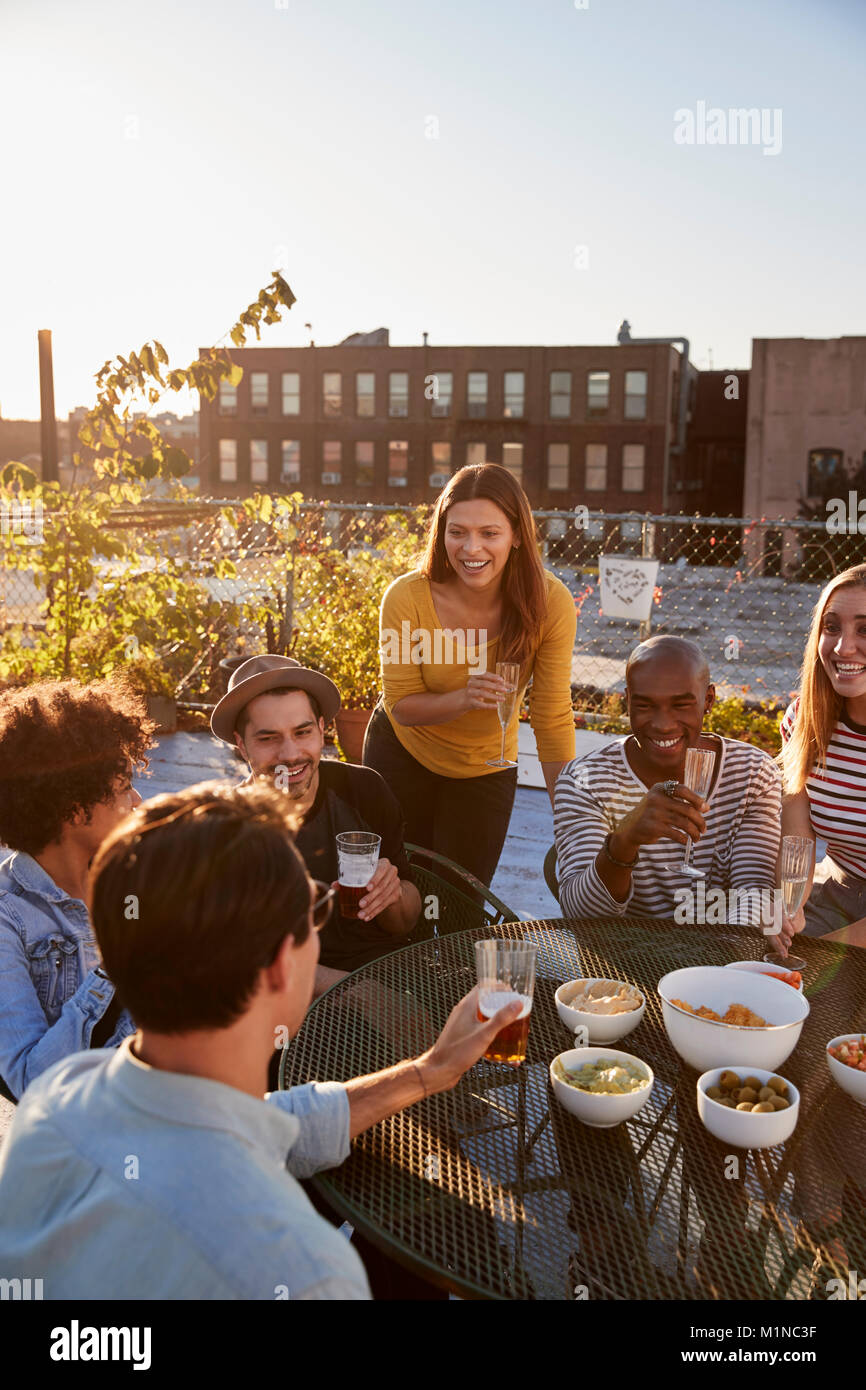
point(275, 711)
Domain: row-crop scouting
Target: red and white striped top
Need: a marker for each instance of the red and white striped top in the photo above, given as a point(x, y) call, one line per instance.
point(837, 798)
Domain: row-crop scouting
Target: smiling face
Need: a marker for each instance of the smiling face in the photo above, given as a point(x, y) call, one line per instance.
point(668, 697)
point(842, 641)
point(478, 541)
point(282, 732)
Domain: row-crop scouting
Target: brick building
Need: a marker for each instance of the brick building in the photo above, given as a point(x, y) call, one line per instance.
point(806, 437)
point(376, 423)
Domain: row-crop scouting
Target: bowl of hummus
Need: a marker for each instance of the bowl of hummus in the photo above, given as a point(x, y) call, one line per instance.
point(599, 1086)
point(606, 1010)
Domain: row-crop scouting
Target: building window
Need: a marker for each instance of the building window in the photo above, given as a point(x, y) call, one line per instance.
point(475, 454)
point(398, 394)
point(332, 394)
point(560, 395)
point(512, 459)
point(442, 392)
point(596, 468)
point(291, 466)
point(228, 460)
point(557, 467)
point(635, 395)
point(364, 463)
point(258, 460)
point(398, 462)
point(332, 462)
point(515, 394)
point(633, 467)
point(476, 395)
point(597, 394)
point(259, 393)
point(365, 394)
point(228, 398)
point(826, 474)
point(441, 463)
point(291, 393)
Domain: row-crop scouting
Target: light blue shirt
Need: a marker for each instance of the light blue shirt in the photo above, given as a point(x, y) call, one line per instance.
point(50, 995)
point(122, 1181)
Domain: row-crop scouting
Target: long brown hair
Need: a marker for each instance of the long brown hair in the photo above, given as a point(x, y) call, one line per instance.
point(819, 707)
point(524, 586)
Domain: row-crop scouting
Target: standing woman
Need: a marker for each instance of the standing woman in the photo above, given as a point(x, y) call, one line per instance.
point(824, 760)
point(480, 593)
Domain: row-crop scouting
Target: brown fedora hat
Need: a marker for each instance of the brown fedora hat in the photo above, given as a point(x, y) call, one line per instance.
point(263, 673)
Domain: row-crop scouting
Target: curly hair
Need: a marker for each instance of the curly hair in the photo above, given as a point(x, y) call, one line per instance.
point(62, 748)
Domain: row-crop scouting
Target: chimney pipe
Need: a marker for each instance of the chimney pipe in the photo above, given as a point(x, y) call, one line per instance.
point(46, 397)
point(424, 336)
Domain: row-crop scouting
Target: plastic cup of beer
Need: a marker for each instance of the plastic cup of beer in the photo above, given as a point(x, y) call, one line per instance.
point(358, 855)
point(506, 971)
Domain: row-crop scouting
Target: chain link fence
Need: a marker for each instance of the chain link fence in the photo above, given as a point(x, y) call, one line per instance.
point(743, 589)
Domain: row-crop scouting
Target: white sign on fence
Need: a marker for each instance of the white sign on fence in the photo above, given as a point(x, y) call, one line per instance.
point(627, 583)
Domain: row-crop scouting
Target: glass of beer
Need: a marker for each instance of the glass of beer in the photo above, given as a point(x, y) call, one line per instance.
point(506, 971)
point(358, 855)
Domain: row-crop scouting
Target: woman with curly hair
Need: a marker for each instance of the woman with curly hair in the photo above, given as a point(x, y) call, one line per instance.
point(824, 759)
point(67, 756)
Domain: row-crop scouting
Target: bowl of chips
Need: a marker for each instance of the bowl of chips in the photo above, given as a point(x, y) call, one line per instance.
point(717, 1017)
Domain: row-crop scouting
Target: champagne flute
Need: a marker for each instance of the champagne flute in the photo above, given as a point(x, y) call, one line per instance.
point(510, 673)
point(798, 857)
point(698, 775)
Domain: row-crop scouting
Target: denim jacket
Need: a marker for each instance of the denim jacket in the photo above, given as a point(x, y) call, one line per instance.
point(50, 994)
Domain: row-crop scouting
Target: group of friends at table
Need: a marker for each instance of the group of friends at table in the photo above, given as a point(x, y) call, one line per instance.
point(152, 951)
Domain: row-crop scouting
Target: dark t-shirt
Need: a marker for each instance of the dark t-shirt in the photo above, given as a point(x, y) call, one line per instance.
point(351, 798)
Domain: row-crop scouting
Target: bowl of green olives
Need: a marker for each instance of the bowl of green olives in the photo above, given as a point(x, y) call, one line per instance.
point(748, 1107)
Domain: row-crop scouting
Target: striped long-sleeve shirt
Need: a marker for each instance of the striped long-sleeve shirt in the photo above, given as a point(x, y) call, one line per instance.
point(837, 800)
point(738, 850)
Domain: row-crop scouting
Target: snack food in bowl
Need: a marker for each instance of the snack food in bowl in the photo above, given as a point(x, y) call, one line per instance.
point(749, 1116)
point(776, 972)
point(705, 1041)
point(601, 1087)
point(846, 1058)
point(607, 1009)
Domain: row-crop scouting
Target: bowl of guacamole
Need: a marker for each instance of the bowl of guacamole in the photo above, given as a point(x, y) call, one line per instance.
point(600, 1086)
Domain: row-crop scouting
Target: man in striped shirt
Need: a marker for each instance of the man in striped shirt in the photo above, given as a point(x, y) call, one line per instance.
point(622, 814)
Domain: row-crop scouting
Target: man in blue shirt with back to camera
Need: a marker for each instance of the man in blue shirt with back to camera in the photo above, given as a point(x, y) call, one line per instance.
point(157, 1171)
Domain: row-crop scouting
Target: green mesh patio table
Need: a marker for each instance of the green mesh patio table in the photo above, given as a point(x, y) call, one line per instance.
point(493, 1191)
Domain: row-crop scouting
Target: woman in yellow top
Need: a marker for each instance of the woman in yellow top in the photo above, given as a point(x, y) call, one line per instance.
point(480, 596)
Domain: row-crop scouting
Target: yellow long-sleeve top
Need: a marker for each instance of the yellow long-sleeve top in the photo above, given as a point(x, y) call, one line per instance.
point(419, 657)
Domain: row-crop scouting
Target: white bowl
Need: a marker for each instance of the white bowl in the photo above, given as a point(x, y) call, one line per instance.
point(851, 1080)
point(739, 1127)
point(705, 1044)
point(599, 1111)
point(601, 1028)
point(760, 967)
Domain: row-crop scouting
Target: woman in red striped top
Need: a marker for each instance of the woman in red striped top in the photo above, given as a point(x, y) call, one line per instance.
point(824, 761)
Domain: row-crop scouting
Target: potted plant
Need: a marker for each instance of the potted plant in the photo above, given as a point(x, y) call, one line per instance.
point(337, 596)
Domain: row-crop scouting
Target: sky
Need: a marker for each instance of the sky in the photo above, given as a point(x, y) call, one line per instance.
point(487, 171)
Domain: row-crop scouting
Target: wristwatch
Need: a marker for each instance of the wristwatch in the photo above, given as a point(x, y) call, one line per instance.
point(620, 863)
